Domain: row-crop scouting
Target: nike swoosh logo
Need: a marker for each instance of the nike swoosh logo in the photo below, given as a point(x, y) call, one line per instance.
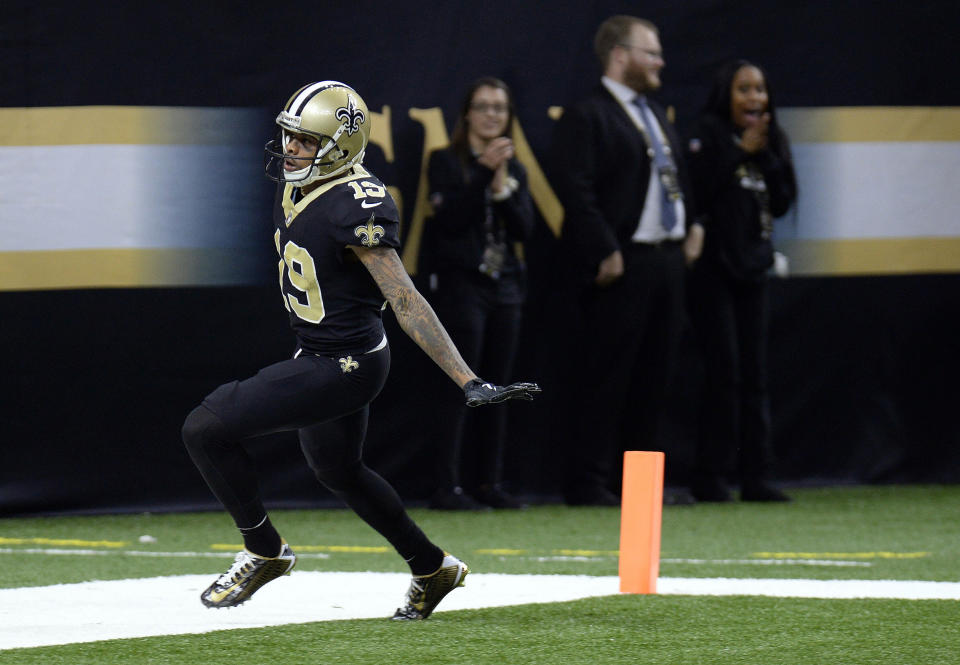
point(364, 204)
point(217, 596)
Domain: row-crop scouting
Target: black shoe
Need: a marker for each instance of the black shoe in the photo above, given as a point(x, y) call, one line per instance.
point(454, 499)
point(591, 496)
point(711, 491)
point(495, 497)
point(764, 493)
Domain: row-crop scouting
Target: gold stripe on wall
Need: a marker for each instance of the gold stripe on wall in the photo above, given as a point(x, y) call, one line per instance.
point(873, 256)
point(104, 268)
point(540, 190)
point(133, 125)
point(871, 124)
point(133, 268)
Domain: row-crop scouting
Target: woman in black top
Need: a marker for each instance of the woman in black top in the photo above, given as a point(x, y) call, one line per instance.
point(482, 211)
point(743, 178)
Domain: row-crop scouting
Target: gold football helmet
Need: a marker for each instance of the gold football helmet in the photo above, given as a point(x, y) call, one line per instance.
point(337, 116)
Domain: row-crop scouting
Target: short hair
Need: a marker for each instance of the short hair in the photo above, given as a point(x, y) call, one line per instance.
point(614, 32)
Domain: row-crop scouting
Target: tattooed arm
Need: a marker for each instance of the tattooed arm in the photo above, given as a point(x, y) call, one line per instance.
point(413, 312)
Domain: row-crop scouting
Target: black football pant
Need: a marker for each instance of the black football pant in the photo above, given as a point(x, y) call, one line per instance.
point(731, 321)
point(470, 442)
point(328, 407)
point(625, 364)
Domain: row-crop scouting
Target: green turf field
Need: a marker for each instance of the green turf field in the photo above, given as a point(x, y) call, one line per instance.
point(862, 533)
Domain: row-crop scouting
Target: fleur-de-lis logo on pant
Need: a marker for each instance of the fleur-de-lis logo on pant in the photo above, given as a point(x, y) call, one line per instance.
point(370, 234)
point(348, 364)
point(351, 116)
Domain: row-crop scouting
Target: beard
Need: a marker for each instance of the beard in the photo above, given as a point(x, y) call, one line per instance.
point(641, 79)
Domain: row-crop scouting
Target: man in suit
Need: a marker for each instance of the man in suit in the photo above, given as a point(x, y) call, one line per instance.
point(627, 236)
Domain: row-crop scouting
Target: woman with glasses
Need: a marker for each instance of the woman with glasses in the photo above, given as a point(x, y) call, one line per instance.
point(482, 211)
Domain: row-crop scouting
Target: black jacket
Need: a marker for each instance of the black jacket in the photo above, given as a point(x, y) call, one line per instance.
point(600, 171)
point(455, 237)
point(725, 183)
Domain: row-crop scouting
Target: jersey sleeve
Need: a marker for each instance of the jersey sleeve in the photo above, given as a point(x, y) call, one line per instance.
point(368, 220)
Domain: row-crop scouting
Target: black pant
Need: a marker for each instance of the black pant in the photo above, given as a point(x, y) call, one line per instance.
point(328, 406)
point(624, 362)
point(470, 442)
point(731, 319)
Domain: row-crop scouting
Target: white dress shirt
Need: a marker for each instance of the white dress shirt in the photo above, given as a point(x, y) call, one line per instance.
point(649, 229)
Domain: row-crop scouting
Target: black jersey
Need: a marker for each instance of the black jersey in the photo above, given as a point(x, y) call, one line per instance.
point(334, 304)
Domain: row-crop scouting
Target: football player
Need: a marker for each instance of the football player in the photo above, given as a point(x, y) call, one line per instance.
point(337, 235)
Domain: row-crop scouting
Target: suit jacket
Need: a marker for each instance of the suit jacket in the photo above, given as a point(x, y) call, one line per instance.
point(601, 173)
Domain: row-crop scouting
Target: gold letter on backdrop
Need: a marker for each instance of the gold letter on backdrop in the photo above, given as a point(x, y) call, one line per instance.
point(540, 189)
point(434, 138)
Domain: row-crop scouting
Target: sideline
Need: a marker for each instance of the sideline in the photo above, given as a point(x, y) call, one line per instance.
point(94, 611)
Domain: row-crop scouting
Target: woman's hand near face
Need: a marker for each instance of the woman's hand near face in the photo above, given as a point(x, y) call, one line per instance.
point(497, 153)
point(754, 137)
point(495, 156)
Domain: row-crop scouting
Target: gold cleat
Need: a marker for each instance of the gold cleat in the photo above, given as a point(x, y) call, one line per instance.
point(426, 592)
point(248, 573)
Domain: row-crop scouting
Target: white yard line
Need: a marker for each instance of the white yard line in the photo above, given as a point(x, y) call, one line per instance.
point(93, 611)
point(799, 588)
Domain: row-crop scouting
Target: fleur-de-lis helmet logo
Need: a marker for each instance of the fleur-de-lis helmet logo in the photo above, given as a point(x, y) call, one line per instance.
point(351, 116)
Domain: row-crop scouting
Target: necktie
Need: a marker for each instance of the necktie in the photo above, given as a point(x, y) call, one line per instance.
point(664, 164)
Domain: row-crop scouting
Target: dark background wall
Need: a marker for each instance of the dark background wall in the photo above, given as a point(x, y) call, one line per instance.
point(95, 383)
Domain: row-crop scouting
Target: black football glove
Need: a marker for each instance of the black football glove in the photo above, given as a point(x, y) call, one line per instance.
point(478, 391)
